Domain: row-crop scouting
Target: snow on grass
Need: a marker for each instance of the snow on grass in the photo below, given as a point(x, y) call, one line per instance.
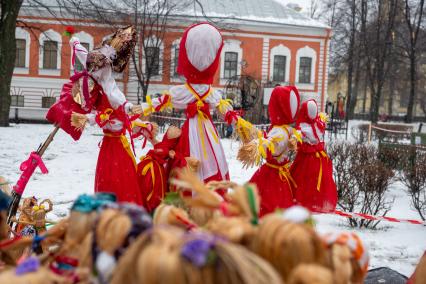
point(72, 167)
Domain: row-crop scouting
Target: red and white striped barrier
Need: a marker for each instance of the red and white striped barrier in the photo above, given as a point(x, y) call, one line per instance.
point(377, 218)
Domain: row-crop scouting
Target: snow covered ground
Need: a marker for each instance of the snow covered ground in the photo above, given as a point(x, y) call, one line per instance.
point(71, 172)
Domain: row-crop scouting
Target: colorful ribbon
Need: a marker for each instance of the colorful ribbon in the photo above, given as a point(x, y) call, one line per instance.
point(28, 167)
point(319, 155)
point(284, 173)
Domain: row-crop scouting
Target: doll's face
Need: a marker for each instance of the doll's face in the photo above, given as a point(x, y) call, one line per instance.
point(294, 104)
point(312, 109)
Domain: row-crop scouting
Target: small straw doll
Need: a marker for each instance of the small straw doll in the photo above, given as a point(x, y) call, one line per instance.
point(348, 257)
point(273, 179)
point(312, 169)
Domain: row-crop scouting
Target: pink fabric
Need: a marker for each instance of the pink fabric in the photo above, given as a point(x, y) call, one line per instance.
point(28, 167)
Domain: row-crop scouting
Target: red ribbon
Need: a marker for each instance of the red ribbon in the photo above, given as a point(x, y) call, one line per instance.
point(231, 116)
point(28, 167)
point(192, 109)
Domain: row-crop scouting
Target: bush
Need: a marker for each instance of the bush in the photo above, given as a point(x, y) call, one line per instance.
point(413, 176)
point(362, 181)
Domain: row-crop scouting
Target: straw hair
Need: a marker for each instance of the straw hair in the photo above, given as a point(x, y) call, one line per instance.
point(79, 225)
point(235, 229)
point(286, 245)
point(311, 274)
point(248, 153)
point(78, 120)
point(151, 258)
point(171, 215)
point(112, 229)
point(156, 257)
point(341, 264)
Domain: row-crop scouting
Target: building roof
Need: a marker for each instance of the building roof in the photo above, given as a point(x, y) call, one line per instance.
point(260, 12)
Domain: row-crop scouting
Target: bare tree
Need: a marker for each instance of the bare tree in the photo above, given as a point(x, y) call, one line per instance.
point(413, 15)
point(9, 14)
point(377, 29)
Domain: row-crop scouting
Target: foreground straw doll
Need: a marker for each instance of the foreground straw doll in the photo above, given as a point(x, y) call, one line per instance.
point(312, 169)
point(348, 257)
point(273, 179)
point(168, 255)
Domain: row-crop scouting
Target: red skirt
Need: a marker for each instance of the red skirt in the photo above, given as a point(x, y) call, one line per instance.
point(116, 171)
point(275, 189)
point(152, 181)
point(312, 171)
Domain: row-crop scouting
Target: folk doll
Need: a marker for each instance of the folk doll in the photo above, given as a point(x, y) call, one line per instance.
point(109, 109)
point(152, 171)
point(273, 178)
point(199, 56)
point(312, 169)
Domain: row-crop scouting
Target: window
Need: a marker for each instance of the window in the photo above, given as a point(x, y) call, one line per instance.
point(78, 65)
point(47, 102)
point(50, 54)
point(231, 65)
point(176, 60)
point(17, 101)
point(20, 53)
point(152, 60)
point(279, 68)
point(305, 70)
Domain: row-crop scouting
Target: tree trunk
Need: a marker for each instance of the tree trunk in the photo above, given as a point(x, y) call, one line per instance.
point(413, 85)
point(9, 14)
point(354, 96)
point(392, 81)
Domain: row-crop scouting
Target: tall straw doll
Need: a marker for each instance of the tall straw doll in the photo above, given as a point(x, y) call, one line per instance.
point(110, 110)
point(312, 169)
point(199, 56)
point(273, 179)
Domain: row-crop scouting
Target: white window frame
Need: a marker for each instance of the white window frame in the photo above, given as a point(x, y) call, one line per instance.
point(173, 77)
point(83, 38)
point(50, 35)
point(230, 45)
point(284, 51)
point(149, 43)
point(306, 52)
point(21, 33)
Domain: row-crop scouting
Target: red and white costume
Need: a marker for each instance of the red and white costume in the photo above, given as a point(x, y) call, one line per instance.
point(312, 169)
point(116, 167)
point(199, 55)
point(273, 179)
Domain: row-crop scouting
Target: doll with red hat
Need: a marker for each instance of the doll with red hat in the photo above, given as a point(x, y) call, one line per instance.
point(273, 178)
point(93, 96)
point(199, 55)
point(312, 169)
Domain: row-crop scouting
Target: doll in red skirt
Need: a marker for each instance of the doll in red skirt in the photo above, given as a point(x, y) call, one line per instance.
point(273, 178)
point(312, 169)
point(153, 169)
